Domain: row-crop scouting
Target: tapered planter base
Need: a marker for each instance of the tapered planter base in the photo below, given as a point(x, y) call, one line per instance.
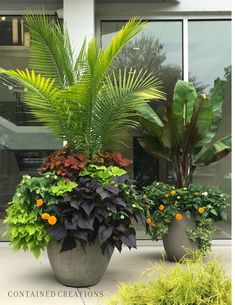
point(75, 268)
point(177, 241)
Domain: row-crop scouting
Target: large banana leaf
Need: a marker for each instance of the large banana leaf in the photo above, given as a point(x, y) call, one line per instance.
point(216, 152)
point(200, 122)
point(217, 98)
point(153, 146)
point(150, 120)
point(183, 100)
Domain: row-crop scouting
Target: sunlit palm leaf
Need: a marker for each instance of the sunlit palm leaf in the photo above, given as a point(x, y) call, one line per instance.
point(50, 53)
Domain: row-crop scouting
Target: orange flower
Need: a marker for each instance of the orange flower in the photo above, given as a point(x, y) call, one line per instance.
point(178, 216)
point(52, 220)
point(201, 210)
point(161, 207)
point(45, 216)
point(39, 202)
point(196, 193)
point(166, 195)
point(148, 220)
point(153, 225)
point(173, 192)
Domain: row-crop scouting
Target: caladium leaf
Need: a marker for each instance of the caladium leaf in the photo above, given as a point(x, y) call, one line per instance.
point(105, 233)
point(217, 151)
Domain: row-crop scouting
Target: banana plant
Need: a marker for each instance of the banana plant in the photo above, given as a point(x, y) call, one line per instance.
point(187, 127)
point(78, 97)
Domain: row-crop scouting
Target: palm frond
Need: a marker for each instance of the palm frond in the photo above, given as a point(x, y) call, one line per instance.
point(51, 53)
point(42, 98)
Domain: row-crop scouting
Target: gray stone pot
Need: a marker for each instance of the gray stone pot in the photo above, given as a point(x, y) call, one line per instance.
point(76, 268)
point(177, 240)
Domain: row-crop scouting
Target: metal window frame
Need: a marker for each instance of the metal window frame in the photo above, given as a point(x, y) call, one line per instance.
point(185, 21)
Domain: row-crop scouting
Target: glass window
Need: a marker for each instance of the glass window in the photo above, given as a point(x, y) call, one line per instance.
point(210, 58)
point(23, 145)
point(157, 48)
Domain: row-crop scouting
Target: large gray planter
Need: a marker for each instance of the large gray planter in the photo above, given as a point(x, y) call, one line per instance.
point(76, 268)
point(177, 240)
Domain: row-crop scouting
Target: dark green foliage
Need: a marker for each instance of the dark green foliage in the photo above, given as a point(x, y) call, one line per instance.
point(164, 202)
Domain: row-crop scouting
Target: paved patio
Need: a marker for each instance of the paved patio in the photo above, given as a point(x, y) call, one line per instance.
point(25, 280)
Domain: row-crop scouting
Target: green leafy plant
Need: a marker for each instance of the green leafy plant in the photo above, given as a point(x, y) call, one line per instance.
point(79, 98)
point(188, 124)
point(165, 203)
point(100, 203)
point(192, 283)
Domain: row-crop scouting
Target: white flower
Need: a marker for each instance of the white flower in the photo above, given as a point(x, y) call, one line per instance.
point(122, 216)
point(27, 177)
point(18, 194)
point(109, 214)
point(205, 193)
point(133, 205)
point(55, 177)
point(178, 197)
point(37, 191)
point(157, 183)
point(185, 188)
point(47, 176)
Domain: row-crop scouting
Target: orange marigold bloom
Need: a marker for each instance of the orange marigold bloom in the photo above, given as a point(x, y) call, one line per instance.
point(45, 216)
point(173, 192)
point(201, 210)
point(166, 195)
point(52, 220)
point(39, 202)
point(148, 220)
point(153, 225)
point(196, 193)
point(161, 207)
point(178, 216)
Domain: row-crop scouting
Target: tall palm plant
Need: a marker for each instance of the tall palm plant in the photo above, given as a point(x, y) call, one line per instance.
point(78, 97)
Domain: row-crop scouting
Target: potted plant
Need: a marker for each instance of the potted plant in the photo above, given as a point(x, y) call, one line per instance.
point(181, 137)
point(82, 205)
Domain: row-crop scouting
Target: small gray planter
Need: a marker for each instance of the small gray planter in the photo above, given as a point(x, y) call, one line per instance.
point(177, 240)
point(76, 268)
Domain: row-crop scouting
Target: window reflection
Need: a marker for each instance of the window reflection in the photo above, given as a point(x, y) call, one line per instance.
point(210, 58)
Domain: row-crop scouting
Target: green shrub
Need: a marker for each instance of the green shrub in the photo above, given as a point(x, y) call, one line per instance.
point(192, 283)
